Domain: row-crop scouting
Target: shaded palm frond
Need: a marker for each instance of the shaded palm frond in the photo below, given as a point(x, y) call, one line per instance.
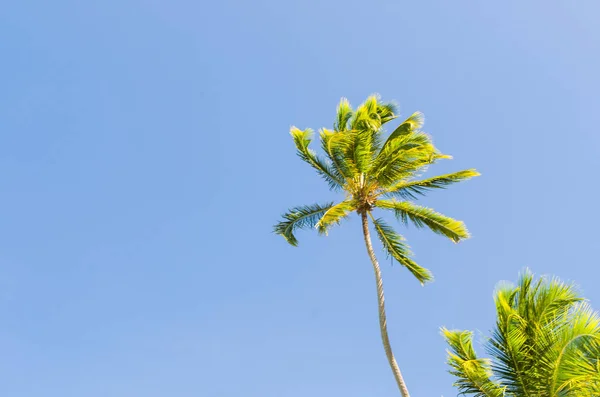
point(395, 247)
point(302, 139)
point(301, 217)
point(387, 112)
point(340, 147)
point(334, 145)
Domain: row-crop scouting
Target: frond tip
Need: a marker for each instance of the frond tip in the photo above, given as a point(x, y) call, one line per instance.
point(413, 123)
point(344, 114)
point(393, 244)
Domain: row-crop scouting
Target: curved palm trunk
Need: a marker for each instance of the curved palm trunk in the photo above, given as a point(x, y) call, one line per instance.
point(382, 317)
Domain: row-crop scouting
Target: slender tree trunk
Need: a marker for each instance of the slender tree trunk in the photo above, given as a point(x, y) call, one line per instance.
point(382, 317)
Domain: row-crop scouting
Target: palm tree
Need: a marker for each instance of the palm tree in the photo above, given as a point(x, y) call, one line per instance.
point(546, 343)
point(374, 172)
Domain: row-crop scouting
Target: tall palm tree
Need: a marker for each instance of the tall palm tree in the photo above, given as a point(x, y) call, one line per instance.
point(546, 343)
point(375, 172)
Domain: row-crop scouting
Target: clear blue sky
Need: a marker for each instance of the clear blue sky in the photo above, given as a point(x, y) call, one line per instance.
point(145, 156)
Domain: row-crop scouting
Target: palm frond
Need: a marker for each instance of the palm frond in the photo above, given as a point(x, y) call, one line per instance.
point(576, 354)
point(301, 217)
point(414, 123)
point(509, 342)
point(366, 124)
point(363, 150)
point(366, 117)
point(395, 247)
point(423, 216)
point(399, 158)
point(334, 144)
point(344, 114)
point(334, 215)
point(339, 147)
point(411, 189)
point(473, 373)
point(302, 139)
point(387, 112)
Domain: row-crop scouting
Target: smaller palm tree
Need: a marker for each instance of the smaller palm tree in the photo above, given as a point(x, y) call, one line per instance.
point(546, 343)
point(375, 172)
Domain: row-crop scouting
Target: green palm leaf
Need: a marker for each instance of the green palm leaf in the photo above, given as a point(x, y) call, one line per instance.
point(410, 189)
point(393, 244)
point(339, 147)
point(367, 117)
point(302, 139)
point(334, 145)
point(473, 373)
point(412, 124)
point(344, 114)
point(387, 112)
point(401, 157)
point(423, 216)
point(366, 125)
point(334, 215)
point(301, 217)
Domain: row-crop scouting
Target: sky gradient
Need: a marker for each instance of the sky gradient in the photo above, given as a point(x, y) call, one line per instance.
point(146, 155)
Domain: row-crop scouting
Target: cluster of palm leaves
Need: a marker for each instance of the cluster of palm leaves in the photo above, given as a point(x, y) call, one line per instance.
point(374, 171)
point(547, 339)
point(546, 343)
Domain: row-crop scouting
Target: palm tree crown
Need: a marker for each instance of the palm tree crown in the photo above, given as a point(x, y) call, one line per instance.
point(546, 343)
point(375, 172)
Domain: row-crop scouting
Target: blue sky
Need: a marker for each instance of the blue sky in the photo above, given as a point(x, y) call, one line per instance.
point(146, 156)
